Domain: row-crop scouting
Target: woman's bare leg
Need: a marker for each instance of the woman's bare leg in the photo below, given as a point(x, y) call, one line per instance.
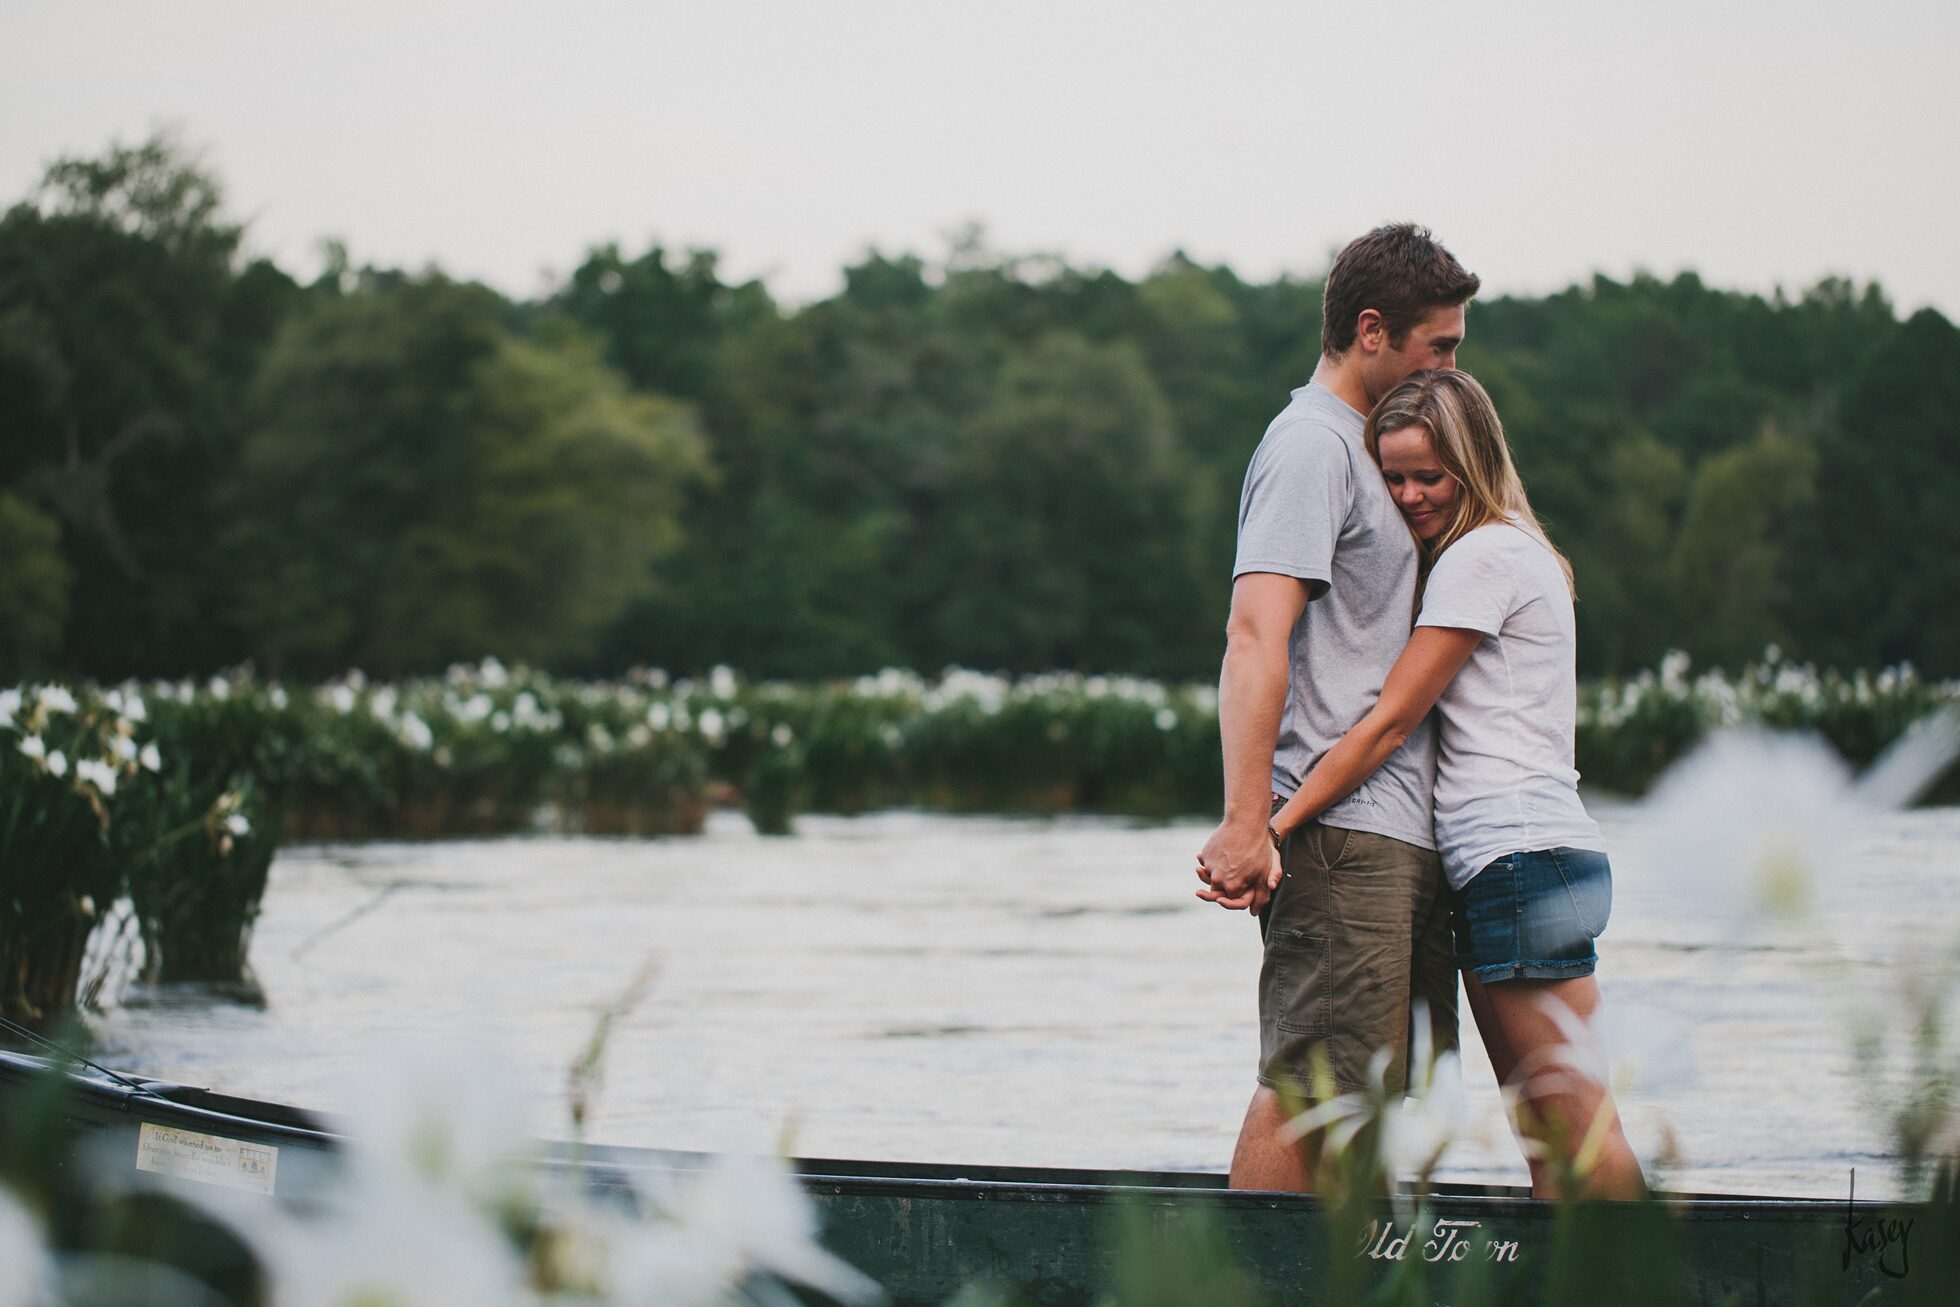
point(1515, 1019)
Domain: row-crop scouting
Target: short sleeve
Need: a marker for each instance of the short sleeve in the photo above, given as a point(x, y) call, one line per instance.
point(1473, 585)
point(1298, 492)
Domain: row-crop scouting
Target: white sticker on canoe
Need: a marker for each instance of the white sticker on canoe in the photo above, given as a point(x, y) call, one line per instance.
point(208, 1159)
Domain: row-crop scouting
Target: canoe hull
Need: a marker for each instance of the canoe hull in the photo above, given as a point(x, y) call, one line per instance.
point(1058, 1237)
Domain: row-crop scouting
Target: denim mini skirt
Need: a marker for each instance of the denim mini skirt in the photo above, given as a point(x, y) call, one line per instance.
point(1534, 916)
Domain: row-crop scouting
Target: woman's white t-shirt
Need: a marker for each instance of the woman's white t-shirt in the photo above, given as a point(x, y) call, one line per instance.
point(1505, 780)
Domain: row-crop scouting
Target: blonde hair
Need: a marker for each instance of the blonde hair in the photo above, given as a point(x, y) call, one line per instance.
point(1469, 442)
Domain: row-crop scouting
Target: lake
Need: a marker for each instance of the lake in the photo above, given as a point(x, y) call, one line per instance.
point(991, 990)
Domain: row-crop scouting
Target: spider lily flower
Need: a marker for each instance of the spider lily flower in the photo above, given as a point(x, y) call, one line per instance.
point(101, 775)
point(1625, 1048)
point(1417, 1127)
point(389, 1240)
point(26, 1272)
point(739, 1218)
point(1750, 823)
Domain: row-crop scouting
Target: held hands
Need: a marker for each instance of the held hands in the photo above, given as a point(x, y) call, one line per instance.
point(1239, 866)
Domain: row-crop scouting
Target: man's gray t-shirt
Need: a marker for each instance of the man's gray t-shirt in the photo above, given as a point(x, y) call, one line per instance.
point(1315, 507)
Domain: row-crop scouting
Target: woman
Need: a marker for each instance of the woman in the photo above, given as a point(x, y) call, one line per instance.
point(1494, 648)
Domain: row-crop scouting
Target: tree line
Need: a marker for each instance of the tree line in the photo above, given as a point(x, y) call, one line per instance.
point(1000, 462)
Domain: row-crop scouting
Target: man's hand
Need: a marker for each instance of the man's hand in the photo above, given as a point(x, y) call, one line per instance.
point(1239, 866)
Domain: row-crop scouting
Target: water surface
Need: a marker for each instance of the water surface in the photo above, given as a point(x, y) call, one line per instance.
point(995, 991)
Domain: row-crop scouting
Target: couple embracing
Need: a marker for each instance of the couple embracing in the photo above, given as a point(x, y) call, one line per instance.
point(1389, 564)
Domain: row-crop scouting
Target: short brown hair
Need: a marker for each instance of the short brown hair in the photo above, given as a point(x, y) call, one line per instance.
point(1401, 272)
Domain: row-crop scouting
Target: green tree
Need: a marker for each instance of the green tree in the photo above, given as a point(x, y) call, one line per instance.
point(447, 491)
point(125, 335)
point(33, 591)
point(1874, 565)
point(1066, 537)
point(1725, 566)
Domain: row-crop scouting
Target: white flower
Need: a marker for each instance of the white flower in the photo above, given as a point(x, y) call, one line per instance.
point(34, 747)
point(1753, 822)
point(151, 759)
point(1166, 719)
point(27, 1273)
point(238, 825)
point(341, 697)
point(659, 716)
point(781, 735)
point(1626, 1048)
point(1912, 762)
point(276, 696)
point(1417, 1128)
point(390, 1241)
point(123, 748)
point(54, 699)
point(9, 706)
point(711, 725)
point(101, 775)
point(57, 763)
point(415, 733)
point(740, 1216)
point(721, 682)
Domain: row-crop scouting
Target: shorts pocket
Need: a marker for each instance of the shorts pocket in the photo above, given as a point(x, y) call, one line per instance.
point(1588, 879)
point(1300, 998)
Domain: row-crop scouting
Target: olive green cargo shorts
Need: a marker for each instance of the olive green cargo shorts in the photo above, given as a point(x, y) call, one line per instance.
point(1358, 931)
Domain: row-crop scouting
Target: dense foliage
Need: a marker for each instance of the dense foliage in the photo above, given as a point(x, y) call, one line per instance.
point(985, 461)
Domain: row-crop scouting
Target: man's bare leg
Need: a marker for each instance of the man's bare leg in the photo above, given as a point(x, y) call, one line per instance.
point(1265, 1158)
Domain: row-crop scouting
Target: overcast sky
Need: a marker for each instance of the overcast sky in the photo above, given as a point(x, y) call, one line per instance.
point(1759, 144)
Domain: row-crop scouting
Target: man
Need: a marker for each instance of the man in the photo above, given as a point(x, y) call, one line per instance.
point(1323, 594)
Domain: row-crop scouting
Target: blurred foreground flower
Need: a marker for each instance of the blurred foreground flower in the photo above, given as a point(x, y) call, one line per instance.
point(26, 1272)
point(1750, 822)
point(740, 1218)
point(1416, 1129)
point(1628, 1049)
point(436, 1160)
point(1622, 1049)
point(443, 1201)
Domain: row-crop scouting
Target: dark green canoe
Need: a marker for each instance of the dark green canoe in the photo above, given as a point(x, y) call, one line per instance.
point(1056, 1236)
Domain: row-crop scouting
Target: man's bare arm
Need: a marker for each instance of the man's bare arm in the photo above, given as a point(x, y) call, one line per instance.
point(1237, 858)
